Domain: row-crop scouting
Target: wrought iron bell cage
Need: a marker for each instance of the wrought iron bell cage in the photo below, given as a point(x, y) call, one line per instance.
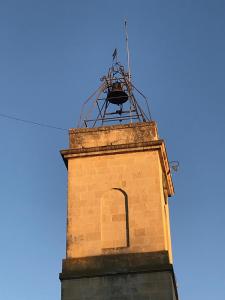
point(114, 101)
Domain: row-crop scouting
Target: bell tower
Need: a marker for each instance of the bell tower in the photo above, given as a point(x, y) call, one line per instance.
point(119, 181)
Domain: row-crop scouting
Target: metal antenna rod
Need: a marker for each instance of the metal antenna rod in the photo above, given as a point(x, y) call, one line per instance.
point(128, 51)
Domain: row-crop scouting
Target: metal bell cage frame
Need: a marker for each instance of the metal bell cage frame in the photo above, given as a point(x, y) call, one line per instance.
point(114, 101)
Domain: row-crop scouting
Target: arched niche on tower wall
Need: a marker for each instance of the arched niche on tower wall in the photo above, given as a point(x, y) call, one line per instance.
point(114, 219)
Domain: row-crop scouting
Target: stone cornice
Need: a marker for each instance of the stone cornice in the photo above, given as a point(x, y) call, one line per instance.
point(157, 145)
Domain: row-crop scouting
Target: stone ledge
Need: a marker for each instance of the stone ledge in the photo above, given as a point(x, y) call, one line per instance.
point(157, 145)
point(110, 148)
point(113, 127)
point(114, 264)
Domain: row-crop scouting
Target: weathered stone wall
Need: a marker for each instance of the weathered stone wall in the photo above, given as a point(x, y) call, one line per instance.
point(118, 231)
point(139, 177)
point(113, 135)
point(142, 286)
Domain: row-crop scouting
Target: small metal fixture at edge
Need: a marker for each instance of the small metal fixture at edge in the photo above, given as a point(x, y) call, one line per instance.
point(174, 165)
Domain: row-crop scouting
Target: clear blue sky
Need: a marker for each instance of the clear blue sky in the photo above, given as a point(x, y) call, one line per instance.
point(52, 55)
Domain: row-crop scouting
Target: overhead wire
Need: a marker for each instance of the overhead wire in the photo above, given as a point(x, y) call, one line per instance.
point(32, 122)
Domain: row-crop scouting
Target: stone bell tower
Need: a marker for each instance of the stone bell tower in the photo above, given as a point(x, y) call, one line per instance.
point(118, 228)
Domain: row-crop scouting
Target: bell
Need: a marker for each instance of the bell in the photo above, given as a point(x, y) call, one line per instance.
point(116, 95)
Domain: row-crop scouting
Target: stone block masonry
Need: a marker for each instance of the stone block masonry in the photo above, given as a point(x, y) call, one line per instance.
point(118, 184)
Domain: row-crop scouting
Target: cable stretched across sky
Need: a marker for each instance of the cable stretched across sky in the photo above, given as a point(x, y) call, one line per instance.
point(31, 122)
